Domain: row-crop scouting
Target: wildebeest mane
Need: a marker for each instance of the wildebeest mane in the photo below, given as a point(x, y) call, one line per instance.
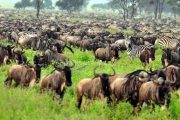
point(132, 74)
point(131, 84)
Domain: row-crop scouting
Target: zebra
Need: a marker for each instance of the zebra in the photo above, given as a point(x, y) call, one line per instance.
point(136, 50)
point(167, 42)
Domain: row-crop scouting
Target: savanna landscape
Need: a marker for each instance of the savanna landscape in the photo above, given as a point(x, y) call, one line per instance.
point(120, 57)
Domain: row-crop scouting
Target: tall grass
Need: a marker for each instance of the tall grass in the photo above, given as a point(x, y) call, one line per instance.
point(29, 104)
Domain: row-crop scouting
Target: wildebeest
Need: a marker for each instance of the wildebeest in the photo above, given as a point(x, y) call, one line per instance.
point(147, 56)
point(58, 79)
point(19, 56)
point(60, 46)
point(25, 75)
point(170, 57)
point(4, 55)
point(51, 55)
point(123, 87)
point(155, 91)
point(106, 54)
point(97, 87)
point(137, 40)
point(172, 74)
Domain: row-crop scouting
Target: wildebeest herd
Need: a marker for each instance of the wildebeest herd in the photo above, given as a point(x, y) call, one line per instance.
point(51, 37)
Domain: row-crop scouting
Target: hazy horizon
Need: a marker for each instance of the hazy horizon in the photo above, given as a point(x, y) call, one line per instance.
point(10, 3)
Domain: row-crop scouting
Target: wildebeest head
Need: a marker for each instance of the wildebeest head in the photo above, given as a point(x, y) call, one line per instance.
point(152, 51)
point(167, 56)
point(40, 59)
point(66, 68)
point(19, 56)
point(104, 80)
point(9, 49)
point(140, 75)
point(36, 68)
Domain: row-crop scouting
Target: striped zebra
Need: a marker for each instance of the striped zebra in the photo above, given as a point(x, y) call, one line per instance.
point(136, 50)
point(167, 42)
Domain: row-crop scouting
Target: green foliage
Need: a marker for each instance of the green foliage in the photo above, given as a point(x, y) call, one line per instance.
point(23, 4)
point(175, 4)
point(71, 5)
point(45, 4)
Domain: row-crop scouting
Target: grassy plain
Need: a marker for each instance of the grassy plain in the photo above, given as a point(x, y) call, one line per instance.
point(29, 104)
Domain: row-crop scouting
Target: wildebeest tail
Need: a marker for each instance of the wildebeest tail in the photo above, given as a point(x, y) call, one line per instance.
point(69, 48)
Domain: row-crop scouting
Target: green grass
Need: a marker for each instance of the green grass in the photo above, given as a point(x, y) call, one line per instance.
point(29, 104)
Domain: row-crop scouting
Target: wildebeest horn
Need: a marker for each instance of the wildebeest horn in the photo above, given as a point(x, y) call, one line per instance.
point(58, 65)
point(174, 80)
point(73, 64)
point(155, 81)
point(142, 80)
point(170, 82)
point(159, 81)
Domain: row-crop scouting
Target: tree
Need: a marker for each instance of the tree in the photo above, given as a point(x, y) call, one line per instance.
point(158, 7)
point(48, 4)
point(71, 5)
point(44, 4)
point(120, 5)
point(38, 5)
point(18, 5)
point(23, 4)
point(175, 5)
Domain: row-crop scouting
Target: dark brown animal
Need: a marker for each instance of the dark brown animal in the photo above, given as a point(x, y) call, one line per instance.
point(58, 80)
point(55, 56)
point(170, 57)
point(147, 56)
point(124, 87)
point(106, 54)
point(21, 74)
point(4, 55)
point(97, 87)
point(154, 91)
point(172, 74)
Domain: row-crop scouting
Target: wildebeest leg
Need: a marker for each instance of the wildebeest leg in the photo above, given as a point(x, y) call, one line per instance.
point(135, 111)
point(113, 59)
point(15, 84)
point(6, 60)
point(86, 104)
point(31, 84)
point(168, 98)
point(109, 100)
point(79, 97)
point(54, 94)
point(8, 82)
point(153, 107)
point(79, 100)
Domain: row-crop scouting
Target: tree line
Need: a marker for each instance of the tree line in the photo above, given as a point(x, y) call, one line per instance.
point(68, 5)
point(127, 8)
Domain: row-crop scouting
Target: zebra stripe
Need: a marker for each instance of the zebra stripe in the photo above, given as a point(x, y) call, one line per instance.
point(136, 50)
point(167, 42)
